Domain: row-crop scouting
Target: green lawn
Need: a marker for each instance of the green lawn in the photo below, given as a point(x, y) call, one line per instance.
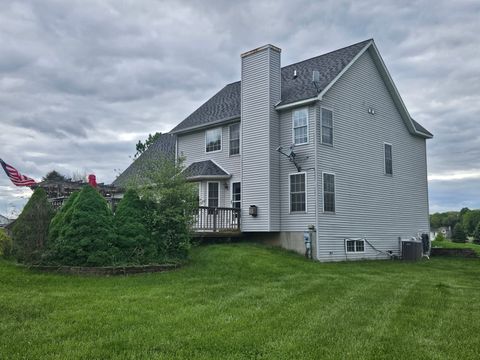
point(452, 245)
point(245, 301)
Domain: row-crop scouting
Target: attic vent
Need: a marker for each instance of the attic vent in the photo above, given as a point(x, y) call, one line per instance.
point(295, 74)
point(316, 76)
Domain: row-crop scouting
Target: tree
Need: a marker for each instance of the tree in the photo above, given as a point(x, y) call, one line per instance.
point(439, 237)
point(476, 234)
point(85, 234)
point(54, 176)
point(133, 237)
point(459, 234)
point(470, 220)
point(29, 233)
point(141, 147)
point(5, 244)
point(172, 201)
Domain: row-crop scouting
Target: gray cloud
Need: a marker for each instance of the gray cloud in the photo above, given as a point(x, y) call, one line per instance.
point(82, 81)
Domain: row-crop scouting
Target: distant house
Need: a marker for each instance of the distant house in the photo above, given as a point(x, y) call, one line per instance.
point(446, 231)
point(325, 143)
point(4, 221)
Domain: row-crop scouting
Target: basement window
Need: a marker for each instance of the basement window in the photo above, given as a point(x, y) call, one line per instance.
point(355, 246)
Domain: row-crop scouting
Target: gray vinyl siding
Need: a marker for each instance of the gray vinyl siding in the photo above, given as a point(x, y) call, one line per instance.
point(260, 92)
point(369, 203)
point(192, 147)
point(297, 221)
point(275, 94)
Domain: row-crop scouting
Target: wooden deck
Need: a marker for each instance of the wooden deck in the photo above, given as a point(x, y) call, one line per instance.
point(216, 222)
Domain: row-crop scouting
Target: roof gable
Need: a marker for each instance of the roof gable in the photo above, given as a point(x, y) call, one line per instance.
point(225, 105)
point(163, 148)
point(206, 169)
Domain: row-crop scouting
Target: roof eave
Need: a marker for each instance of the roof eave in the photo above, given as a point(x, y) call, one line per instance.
point(208, 177)
point(206, 125)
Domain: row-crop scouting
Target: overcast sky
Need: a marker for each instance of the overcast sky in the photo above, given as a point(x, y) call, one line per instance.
point(82, 81)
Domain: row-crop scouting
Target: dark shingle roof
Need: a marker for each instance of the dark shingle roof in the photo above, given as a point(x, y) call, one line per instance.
point(420, 128)
point(206, 168)
point(225, 104)
point(160, 150)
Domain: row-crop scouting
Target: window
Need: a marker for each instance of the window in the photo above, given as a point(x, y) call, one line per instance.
point(213, 194)
point(300, 126)
point(236, 195)
point(355, 245)
point(328, 192)
point(213, 140)
point(327, 126)
point(235, 139)
point(297, 193)
point(388, 159)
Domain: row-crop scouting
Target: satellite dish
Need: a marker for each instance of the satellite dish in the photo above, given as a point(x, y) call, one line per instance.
point(316, 76)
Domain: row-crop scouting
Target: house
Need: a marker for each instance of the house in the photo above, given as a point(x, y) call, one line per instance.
point(326, 143)
point(446, 231)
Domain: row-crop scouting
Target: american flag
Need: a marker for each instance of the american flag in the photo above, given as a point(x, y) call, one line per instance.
point(17, 178)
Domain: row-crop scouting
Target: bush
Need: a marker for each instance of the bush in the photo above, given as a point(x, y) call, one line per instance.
point(5, 244)
point(439, 237)
point(133, 238)
point(458, 235)
point(172, 201)
point(84, 234)
point(59, 219)
point(29, 233)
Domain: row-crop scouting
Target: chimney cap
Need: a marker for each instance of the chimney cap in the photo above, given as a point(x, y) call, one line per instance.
point(261, 48)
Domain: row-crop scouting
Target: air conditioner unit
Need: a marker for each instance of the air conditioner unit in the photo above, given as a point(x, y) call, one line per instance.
point(412, 250)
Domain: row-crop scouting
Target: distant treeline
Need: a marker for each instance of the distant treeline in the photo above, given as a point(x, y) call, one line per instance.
point(468, 219)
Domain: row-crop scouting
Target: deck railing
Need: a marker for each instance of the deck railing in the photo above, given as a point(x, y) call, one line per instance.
point(216, 219)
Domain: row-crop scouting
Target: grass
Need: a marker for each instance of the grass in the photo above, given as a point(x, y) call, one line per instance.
point(452, 245)
point(245, 301)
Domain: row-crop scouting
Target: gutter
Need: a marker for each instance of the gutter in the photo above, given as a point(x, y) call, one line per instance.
point(206, 125)
point(296, 103)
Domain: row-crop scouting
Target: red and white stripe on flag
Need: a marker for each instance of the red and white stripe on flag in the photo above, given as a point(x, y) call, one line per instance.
point(16, 178)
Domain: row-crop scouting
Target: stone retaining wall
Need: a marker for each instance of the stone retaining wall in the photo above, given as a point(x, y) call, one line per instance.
point(107, 270)
point(467, 253)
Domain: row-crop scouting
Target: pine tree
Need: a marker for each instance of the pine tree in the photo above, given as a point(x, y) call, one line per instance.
point(133, 238)
point(476, 234)
point(86, 235)
point(459, 234)
point(29, 233)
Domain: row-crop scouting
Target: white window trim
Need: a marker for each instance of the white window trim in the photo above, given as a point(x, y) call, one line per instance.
point(239, 139)
point(334, 194)
point(231, 192)
point(308, 126)
point(355, 251)
point(208, 192)
point(385, 160)
point(221, 141)
point(321, 126)
point(290, 193)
